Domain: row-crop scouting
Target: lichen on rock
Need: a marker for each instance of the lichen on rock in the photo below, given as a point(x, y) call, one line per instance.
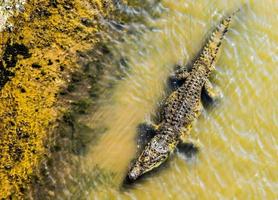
point(37, 57)
point(9, 8)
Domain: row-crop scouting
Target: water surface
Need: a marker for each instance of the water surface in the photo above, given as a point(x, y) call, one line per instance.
point(237, 135)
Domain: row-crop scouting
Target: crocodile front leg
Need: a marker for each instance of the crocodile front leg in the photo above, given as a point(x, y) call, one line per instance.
point(187, 147)
point(146, 131)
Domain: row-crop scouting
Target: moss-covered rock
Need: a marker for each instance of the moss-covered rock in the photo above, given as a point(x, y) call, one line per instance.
point(53, 57)
point(37, 57)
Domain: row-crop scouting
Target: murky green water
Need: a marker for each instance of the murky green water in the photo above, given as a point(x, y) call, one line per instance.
point(237, 136)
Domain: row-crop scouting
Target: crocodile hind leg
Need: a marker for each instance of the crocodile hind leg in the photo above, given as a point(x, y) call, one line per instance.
point(181, 74)
point(146, 131)
point(209, 93)
point(178, 78)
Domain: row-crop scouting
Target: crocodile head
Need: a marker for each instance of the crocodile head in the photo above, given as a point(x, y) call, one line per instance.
point(143, 166)
point(135, 172)
point(155, 153)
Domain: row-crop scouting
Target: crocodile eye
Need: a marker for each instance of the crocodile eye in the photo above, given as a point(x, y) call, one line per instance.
point(160, 146)
point(146, 159)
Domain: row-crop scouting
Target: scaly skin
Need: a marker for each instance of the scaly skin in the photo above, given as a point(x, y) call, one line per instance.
point(182, 107)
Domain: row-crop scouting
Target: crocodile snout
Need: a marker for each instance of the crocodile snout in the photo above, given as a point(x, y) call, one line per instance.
point(134, 173)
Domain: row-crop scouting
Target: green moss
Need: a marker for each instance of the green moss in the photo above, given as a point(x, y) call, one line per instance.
point(81, 106)
point(102, 177)
point(71, 87)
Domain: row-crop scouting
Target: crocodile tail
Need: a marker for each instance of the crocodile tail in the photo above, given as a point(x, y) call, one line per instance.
point(210, 50)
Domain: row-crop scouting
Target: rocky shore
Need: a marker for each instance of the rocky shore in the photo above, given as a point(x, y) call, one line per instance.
point(39, 45)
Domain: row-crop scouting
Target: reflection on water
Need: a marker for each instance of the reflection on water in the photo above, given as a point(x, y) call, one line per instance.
point(238, 144)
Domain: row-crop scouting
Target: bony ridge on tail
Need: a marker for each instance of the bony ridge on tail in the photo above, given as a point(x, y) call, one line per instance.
point(182, 107)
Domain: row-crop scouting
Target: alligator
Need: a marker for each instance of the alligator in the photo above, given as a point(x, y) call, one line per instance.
point(182, 107)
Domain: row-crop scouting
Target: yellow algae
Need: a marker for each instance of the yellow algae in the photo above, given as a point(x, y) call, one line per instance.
point(36, 59)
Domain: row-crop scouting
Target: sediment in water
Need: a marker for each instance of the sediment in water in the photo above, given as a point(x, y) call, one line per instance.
point(101, 70)
point(53, 55)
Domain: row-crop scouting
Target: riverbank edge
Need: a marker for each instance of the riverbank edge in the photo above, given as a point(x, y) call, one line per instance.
point(38, 57)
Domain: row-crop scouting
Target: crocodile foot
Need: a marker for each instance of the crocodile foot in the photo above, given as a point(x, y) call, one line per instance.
point(146, 132)
point(187, 150)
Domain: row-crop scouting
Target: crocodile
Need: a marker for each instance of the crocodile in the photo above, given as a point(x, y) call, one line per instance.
point(182, 107)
